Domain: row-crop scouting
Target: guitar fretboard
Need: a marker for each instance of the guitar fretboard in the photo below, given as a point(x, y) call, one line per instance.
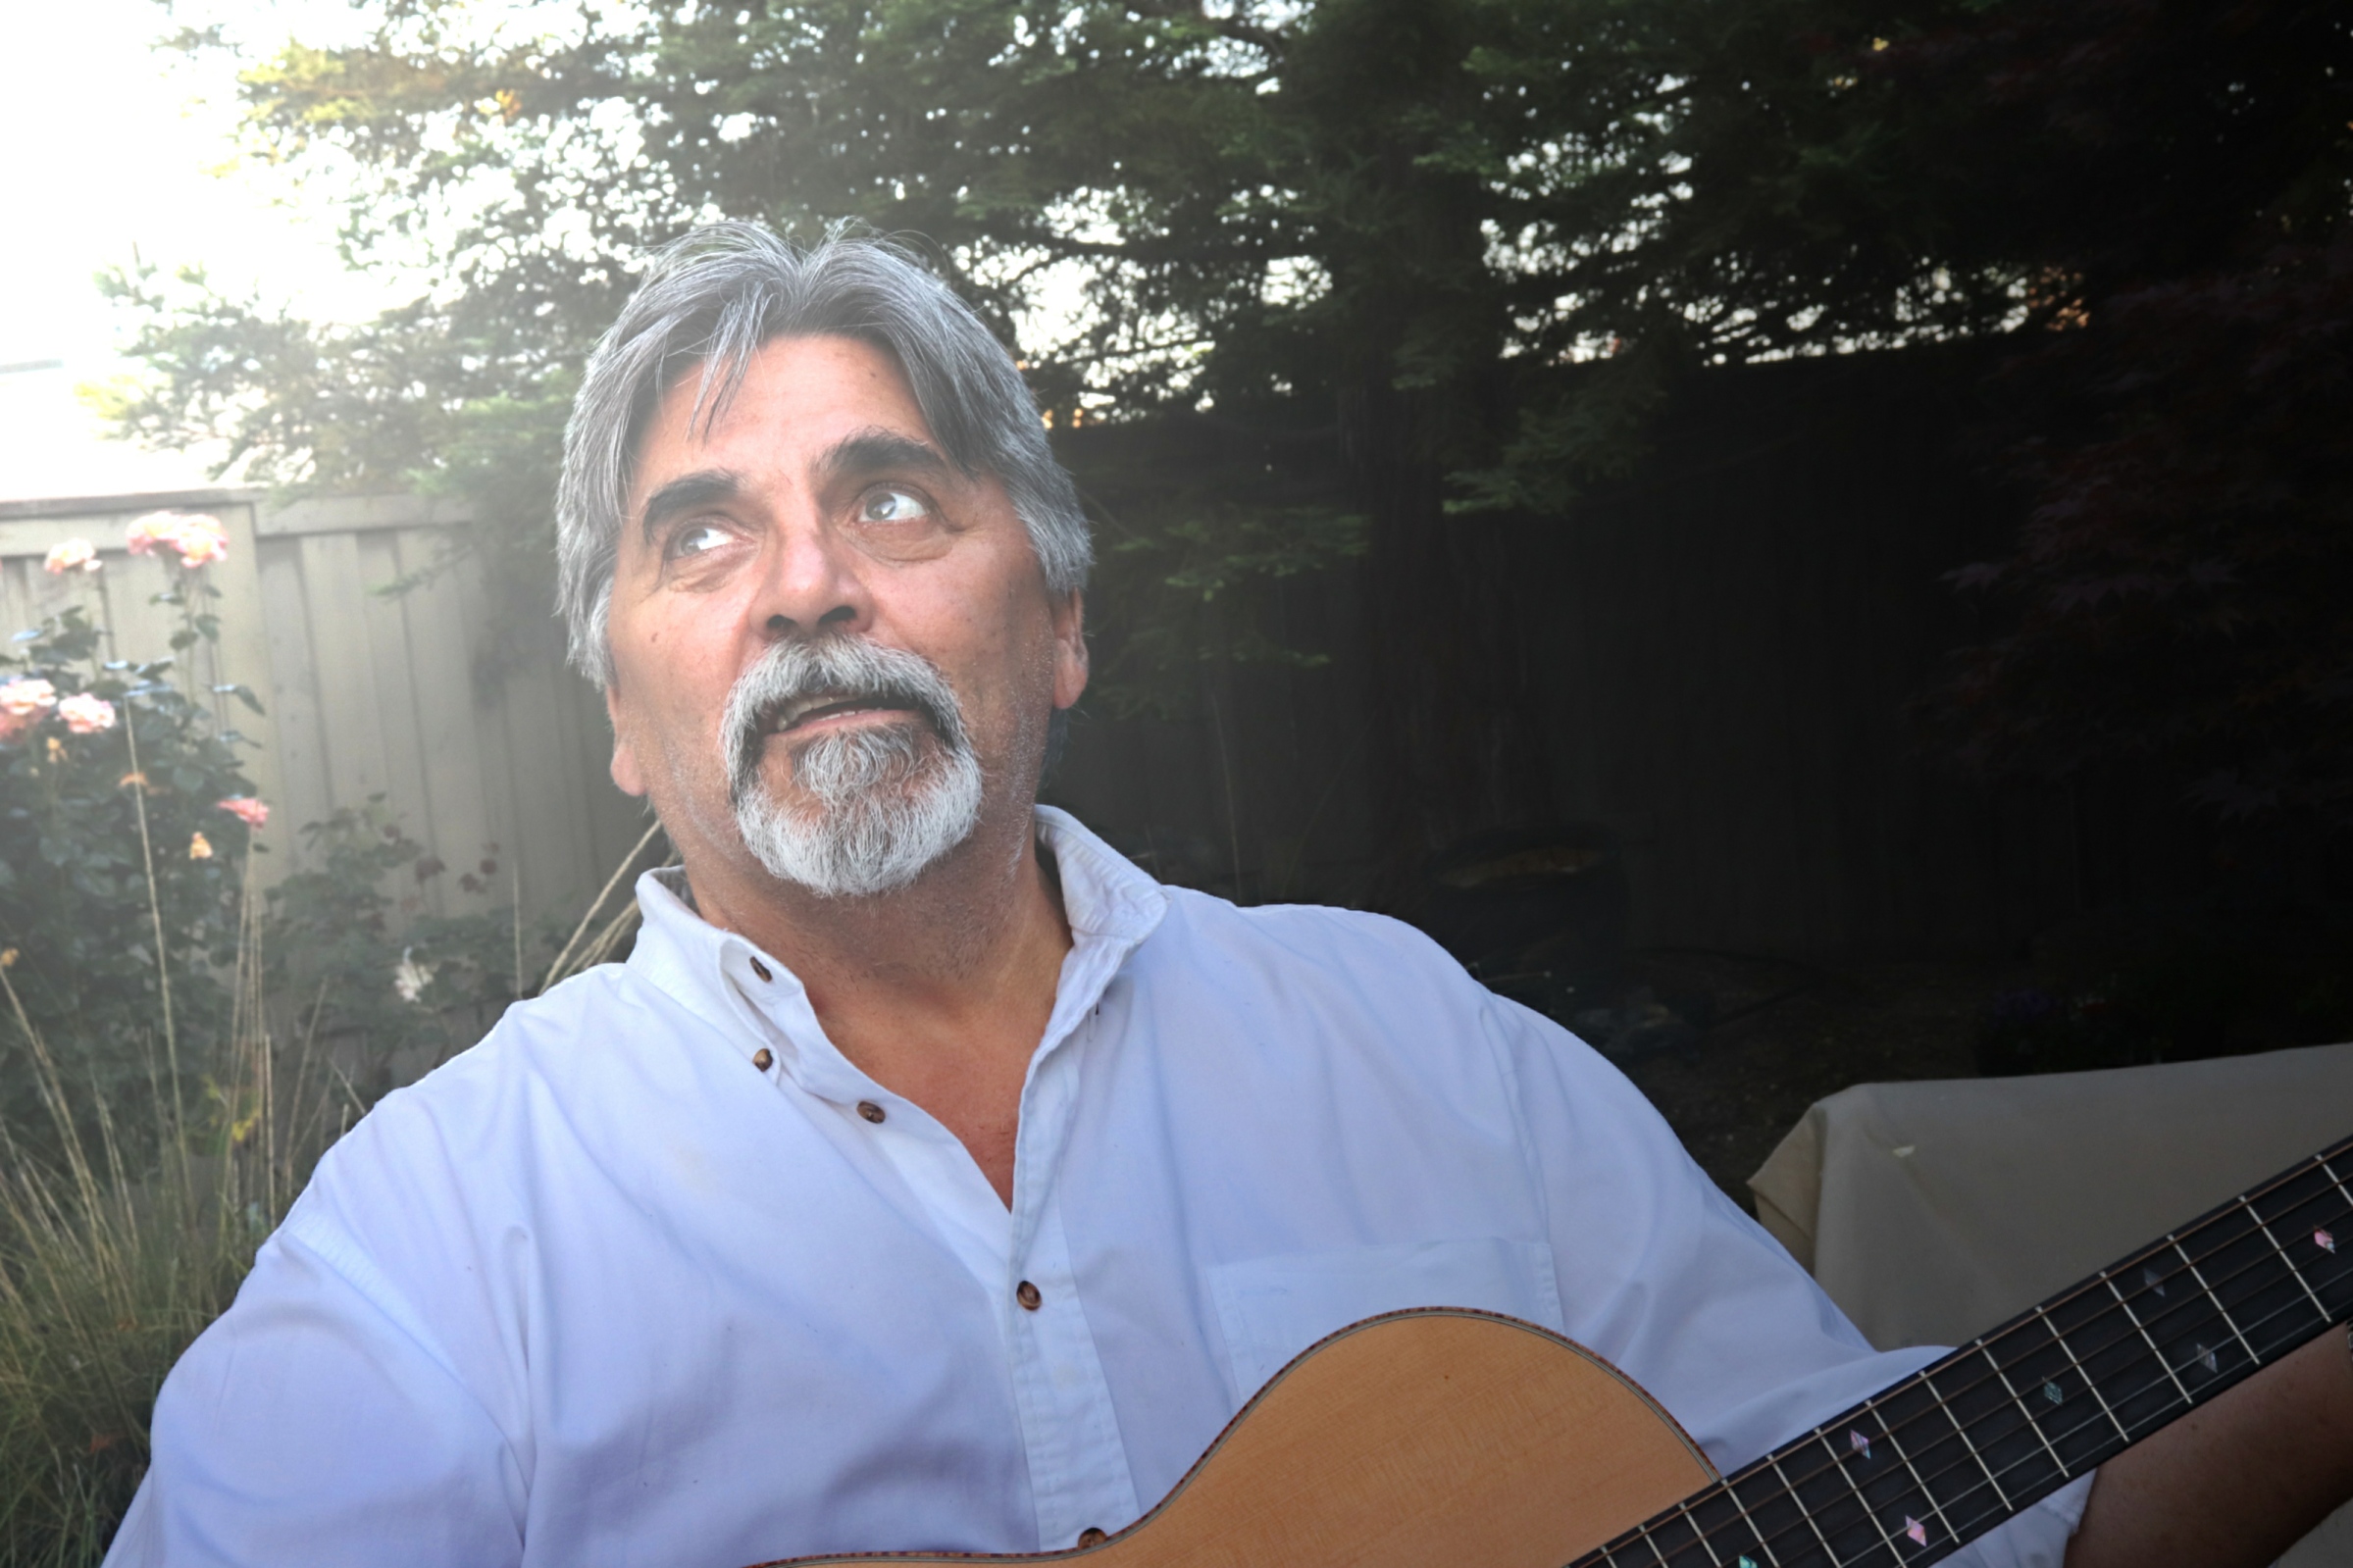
point(1940, 1458)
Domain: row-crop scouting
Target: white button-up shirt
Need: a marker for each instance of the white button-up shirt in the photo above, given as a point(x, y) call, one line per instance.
point(655, 1276)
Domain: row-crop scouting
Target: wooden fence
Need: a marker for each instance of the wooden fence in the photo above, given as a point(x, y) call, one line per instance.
point(365, 694)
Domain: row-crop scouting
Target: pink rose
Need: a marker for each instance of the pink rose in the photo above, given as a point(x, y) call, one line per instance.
point(201, 543)
point(27, 697)
point(195, 539)
point(86, 715)
point(146, 533)
point(69, 554)
point(247, 810)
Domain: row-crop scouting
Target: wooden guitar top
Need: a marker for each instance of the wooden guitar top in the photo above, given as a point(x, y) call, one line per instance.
point(1434, 1436)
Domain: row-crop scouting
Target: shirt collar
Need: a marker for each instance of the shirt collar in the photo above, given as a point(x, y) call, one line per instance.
point(1111, 905)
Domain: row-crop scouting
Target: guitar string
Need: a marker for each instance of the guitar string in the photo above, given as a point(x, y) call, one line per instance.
point(1999, 1508)
point(1974, 1525)
point(1986, 1345)
point(1985, 1513)
point(1989, 1346)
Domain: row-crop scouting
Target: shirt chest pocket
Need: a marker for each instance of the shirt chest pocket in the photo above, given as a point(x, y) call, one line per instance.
point(1270, 1309)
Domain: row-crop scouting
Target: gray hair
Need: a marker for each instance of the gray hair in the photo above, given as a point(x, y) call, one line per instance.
point(710, 300)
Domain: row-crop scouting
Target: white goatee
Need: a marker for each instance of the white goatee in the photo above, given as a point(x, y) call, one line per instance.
point(884, 805)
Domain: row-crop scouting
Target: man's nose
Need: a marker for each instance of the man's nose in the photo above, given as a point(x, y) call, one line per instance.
point(812, 585)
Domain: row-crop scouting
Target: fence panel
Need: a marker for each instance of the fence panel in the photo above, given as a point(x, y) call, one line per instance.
point(366, 693)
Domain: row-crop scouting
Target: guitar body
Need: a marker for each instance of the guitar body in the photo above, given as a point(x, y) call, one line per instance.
point(1443, 1437)
point(1421, 1437)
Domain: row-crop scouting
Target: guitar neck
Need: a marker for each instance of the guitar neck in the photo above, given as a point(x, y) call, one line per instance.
point(1931, 1463)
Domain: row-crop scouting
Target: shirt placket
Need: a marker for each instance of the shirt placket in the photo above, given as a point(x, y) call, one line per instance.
point(1079, 1479)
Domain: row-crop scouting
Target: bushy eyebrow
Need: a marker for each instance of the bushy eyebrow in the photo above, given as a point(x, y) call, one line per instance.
point(686, 493)
point(878, 451)
point(853, 457)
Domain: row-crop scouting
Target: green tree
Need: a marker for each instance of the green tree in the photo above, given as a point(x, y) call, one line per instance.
point(1470, 246)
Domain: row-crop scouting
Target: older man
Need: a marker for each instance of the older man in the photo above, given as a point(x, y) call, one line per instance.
point(930, 1178)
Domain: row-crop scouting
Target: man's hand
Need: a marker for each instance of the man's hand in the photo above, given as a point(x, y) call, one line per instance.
point(2238, 1480)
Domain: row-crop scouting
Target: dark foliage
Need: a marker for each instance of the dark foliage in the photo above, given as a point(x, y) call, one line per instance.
point(2181, 596)
point(1483, 242)
point(2179, 422)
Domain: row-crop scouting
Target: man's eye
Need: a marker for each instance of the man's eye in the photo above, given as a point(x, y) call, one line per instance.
point(699, 538)
point(893, 506)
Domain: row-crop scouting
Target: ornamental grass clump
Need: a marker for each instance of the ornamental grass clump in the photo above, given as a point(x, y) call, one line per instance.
point(109, 1268)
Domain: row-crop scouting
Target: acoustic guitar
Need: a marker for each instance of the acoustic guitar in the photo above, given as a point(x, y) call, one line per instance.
point(1438, 1437)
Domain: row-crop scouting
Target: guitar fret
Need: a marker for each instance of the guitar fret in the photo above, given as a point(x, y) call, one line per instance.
point(1813, 1512)
point(2037, 1366)
point(1951, 1470)
point(1919, 1480)
point(1706, 1545)
point(1775, 1462)
point(2138, 1328)
point(1677, 1516)
point(2343, 1191)
point(2034, 1425)
point(1738, 1518)
point(1880, 1525)
point(1961, 1432)
point(1683, 1523)
point(2229, 1321)
point(2296, 1273)
point(1770, 1510)
point(2090, 1387)
point(1842, 1466)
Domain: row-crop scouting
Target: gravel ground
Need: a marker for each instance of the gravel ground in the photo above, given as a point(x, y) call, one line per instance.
point(1787, 1035)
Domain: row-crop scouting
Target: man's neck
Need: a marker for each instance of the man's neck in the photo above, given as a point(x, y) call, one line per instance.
point(940, 992)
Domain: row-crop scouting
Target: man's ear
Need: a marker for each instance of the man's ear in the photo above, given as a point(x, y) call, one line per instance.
point(1070, 648)
point(628, 777)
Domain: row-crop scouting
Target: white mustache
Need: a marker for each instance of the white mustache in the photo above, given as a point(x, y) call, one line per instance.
point(794, 678)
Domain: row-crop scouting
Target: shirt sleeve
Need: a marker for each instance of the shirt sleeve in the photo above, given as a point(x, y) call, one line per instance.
point(314, 1423)
point(1663, 1274)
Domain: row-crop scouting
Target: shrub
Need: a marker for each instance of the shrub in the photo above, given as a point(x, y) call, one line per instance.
point(119, 864)
point(398, 997)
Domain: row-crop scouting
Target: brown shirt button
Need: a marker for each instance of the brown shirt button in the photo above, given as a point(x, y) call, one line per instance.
point(761, 970)
point(763, 1059)
point(1027, 1294)
point(1092, 1536)
point(871, 1111)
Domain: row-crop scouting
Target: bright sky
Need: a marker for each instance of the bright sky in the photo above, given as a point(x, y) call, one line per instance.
point(110, 148)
